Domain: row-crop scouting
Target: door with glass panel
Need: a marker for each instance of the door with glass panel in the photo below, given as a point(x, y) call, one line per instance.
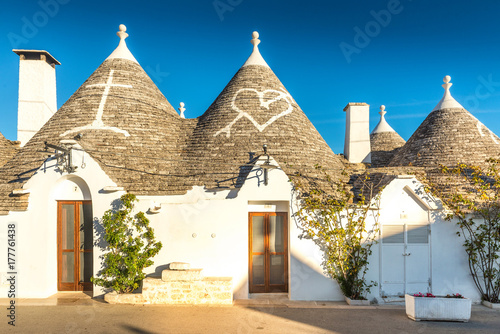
point(405, 259)
point(268, 252)
point(74, 245)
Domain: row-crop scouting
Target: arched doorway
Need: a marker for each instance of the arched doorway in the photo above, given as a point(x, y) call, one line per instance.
point(74, 235)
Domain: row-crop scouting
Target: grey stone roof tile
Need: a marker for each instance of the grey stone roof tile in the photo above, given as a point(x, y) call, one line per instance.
point(143, 145)
point(383, 147)
point(448, 137)
point(8, 149)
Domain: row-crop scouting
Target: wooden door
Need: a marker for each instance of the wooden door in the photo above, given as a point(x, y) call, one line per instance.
point(74, 245)
point(268, 252)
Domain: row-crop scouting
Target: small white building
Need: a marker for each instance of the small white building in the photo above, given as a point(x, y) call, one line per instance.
point(206, 186)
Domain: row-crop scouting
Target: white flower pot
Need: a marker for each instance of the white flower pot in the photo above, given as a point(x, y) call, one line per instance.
point(438, 308)
point(491, 305)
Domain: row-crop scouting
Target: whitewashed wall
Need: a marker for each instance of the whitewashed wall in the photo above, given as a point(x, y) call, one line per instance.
point(405, 201)
point(209, 230)
point(37, 227)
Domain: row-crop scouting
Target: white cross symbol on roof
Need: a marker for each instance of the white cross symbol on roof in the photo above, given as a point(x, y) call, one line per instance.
point(98, 124)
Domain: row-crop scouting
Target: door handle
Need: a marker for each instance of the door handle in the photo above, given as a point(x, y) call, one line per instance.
point(406, 254)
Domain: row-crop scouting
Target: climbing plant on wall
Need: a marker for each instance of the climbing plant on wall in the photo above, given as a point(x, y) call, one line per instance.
point(130, 246)
point(336, 219)
point(472, 196)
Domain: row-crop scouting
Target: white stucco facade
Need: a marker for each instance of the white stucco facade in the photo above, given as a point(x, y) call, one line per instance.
point(209, 230)
point(436, 263)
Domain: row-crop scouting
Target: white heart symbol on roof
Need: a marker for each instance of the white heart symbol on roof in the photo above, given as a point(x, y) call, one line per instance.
point(282, 96)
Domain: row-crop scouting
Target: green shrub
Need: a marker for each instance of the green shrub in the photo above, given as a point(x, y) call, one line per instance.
point(130, 246)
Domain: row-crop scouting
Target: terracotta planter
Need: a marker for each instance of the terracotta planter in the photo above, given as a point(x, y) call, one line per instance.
point(438, 308)
point(357, 302)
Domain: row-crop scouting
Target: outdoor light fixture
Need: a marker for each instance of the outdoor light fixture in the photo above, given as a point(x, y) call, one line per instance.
point(266, 165)
point(63, 156)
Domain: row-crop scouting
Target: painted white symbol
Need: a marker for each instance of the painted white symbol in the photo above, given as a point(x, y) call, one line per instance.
point(98, 124)
point(479, 128)
point(282, 95)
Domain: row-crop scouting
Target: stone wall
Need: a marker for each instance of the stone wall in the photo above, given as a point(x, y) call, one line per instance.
point(179, 287)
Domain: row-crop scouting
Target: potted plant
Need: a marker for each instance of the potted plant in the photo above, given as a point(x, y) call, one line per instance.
point(452, 307)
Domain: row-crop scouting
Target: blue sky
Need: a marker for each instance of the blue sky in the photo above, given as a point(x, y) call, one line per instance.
point(326, 53)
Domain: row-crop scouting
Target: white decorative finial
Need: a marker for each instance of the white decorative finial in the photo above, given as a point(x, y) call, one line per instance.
point(447, 84)
point(182, 109)
point(382, 125)
point(122, 33)
point(122, 51)
point(447, 101)
point(255, 58)
point(255, 39)
point(382, 111)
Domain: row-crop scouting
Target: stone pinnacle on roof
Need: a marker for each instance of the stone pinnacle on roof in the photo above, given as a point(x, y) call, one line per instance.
point(122, 50)
point(447, 101)
point(382, 125)
point(384, 141)
point(449, 135)
point(255, 58)
point(182, 109)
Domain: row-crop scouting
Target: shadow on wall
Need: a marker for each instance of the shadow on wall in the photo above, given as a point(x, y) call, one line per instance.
point(307, 283)
point(159, 270)
point(99, 231)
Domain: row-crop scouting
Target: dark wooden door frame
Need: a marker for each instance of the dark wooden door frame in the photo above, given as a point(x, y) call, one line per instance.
point(267, 287)
point(77, 285)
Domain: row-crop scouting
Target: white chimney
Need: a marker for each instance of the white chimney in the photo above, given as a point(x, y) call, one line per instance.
point(37, 92)
point(357, 133)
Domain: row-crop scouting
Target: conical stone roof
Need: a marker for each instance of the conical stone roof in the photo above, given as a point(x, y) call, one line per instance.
point(7, 149)
point(253, 110)
point(384, 142)
point(122, 120)
point(449, 135)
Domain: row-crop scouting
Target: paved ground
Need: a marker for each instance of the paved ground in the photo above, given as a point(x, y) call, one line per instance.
point(70, 314)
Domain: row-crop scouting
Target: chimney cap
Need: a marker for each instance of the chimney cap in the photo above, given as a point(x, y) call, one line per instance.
point(48, 57)
point(352, 104)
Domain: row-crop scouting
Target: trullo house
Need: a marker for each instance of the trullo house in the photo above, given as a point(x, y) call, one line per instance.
point(216, 188)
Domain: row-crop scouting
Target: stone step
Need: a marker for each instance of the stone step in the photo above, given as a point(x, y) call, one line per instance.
point(179, 266)
point(209, 290)
point(168, 275)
